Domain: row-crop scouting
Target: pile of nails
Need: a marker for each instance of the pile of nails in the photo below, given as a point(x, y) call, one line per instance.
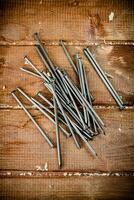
point(70, 108)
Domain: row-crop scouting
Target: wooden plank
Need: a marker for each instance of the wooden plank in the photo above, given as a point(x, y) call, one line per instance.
point(70, 20)
point(23, 148)
point(115, 60)
point(68, 188)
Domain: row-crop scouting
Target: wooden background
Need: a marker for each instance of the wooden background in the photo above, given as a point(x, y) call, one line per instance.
point(28, 167)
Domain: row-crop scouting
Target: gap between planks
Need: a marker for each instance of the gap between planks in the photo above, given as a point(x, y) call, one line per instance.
point(8, 107)
point(58, 174)
point(68, 43)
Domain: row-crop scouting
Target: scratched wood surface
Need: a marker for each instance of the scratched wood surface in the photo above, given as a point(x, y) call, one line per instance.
point(74, 20)
point(108, 28)
point(24, 148)
point(68, 188)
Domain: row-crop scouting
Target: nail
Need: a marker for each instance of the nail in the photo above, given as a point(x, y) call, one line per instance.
point(72, 99)
point(57, 133)
point(43, 58)
point(44, 52)
point(48, 63)
point(83, 138)
point(41, 110)
point(68, 55)
point(35, 68)
point(44, 98)
point(64, 103)
point(33, 120)
point(82, 84)
point(30, 72)
point(69, 109)
point(84, 132)
point(104, 78)
point(76, 91)
point(47, 109)
point(80, 99)
point(61, 91)
point(89, 96)
point(66, 119)
point(53, 107)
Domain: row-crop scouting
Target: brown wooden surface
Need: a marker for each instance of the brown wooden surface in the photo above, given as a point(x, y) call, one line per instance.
point(68, 188)
point(28, 167)
point(24, 148)
point(70, 20)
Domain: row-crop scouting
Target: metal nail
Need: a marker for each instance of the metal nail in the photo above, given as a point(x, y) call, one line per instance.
point(70, 110)
point(72, 99)
point(82, 84)
point(79, 97)
point(42, 111)
point(43, 58)
point(45, 99)
point(104, 78)
point(66, 119)
point(58, 112)
point(89, 96)
point(83, 138)
point(44, 52)
point(34, 121)
point(57, 132)
point(48, 63)
point(35, 68)
point(68, 56)
point(48, 110)
point(84, 101)
point(30, 72)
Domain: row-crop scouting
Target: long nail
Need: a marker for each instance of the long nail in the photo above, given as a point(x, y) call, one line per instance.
point(58, 111)
point(70, 110)
point(82, 84)
point(44, 52)
point(85, 102)
point(63, 102)
point(30, 72)
point(83, 138)
point(104, 78)
point(89, 96)
point(42, 111)
point(48, 110)
point(68, 56)
point(83, 132)
point(45, 99)
point(33, 120)
point(39, 51)
point(66, 119)
point(57, 133)
point(35, 68)
point(72, 99)
point(48, 63)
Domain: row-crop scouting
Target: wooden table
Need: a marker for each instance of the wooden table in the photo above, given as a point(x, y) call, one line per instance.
point(28, 167)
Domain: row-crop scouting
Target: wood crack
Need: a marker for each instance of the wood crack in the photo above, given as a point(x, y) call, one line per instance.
point(69, 43)
point(52, 174)
point(8, 107)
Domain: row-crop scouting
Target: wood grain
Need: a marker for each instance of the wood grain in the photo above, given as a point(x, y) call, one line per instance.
point(72, 20)
point(28, 167)
point(68, 188)
point(23, 148)
point(115, 60)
